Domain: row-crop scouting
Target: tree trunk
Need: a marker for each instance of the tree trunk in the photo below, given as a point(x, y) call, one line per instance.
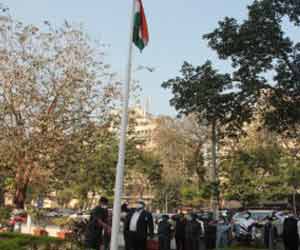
point(2, 196)
point(294, 202)
point(214, 170)
point(166, 203)
point(20, 196)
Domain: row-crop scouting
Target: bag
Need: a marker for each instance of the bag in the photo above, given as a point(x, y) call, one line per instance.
point(152, 245)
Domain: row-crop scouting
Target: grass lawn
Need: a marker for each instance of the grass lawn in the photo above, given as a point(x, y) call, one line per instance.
point(13, 241)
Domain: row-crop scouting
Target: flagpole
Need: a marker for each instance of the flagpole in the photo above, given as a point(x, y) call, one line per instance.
point(122, 146)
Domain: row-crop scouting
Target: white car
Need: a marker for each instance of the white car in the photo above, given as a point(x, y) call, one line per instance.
point(256, 215)
point(243, 225)
point(83, 215)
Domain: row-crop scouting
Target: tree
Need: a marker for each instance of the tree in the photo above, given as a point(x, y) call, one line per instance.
point(2, 189)
point(204, 92)
point(53, 83)
point(144, 175)
point(179, 145)
point(248, 172)
point(87, 164)
point(168, 195)
point(289, 177)
point(265, 60)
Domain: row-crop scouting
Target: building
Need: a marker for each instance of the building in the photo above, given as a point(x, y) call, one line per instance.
point(144, 127)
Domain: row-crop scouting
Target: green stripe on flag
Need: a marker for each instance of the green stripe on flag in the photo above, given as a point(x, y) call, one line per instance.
point(137, 39)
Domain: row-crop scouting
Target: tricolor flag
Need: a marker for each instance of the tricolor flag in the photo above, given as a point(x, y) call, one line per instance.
point(140, 28)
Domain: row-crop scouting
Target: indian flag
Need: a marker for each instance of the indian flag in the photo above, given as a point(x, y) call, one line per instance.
point(140, 29)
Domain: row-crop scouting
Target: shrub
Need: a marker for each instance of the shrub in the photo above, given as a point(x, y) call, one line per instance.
point(4, 215)
point(61, 222)
point(13, 241)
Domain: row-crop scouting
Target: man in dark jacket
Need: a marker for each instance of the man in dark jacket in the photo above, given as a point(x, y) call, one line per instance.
point(164, 233)
point(269, 234)
point(193, 232)
point(180, 231)
point(124, 214)
point(290, 233)
point(96, 225)
point(139, 225)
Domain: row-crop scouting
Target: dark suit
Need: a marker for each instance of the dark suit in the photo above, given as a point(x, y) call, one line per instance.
point(192, 235)
point(290, 234)
point(94, 231)
point(164, 234)
point(180, 233)
point(144, 227)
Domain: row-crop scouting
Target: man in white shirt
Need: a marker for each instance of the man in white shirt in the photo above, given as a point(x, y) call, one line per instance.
point(139, 226)
point(134, 219)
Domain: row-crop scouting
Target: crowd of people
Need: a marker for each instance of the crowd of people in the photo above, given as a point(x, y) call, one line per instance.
point(189, 231)
point(290, 234)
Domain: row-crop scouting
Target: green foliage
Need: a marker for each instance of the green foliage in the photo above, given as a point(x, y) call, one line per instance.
point(287, 177)
point(191, 195)
point(209, 95)
point(168, 196)
point(55, 85)
point(258, 170)
point(4, 215)
point(12, 241)
point(62, 222)
point(93, 169)
point(179, 151)
point(150, 166)
point(265, 59)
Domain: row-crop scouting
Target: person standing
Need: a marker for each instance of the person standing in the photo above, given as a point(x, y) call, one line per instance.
point(96, 225)
point(107, 232)
point(269, 234)
point(124, 214)
point(180, 232)
point(139, 225)
point(192, 233)
point(290, 233)
point(223, 228)
point(164, 233)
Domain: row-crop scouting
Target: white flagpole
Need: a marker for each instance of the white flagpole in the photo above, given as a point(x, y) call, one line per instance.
point(122, 146)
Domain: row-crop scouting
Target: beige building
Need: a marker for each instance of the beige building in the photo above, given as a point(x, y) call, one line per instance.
point(144, 126)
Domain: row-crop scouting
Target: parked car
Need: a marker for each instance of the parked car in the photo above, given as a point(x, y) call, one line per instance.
point(86, 214)
point(250, 229)
point(18, 217)
point(59, 212)
point(256, 215)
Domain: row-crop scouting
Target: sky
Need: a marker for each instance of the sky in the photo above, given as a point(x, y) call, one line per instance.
point(176, 28)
